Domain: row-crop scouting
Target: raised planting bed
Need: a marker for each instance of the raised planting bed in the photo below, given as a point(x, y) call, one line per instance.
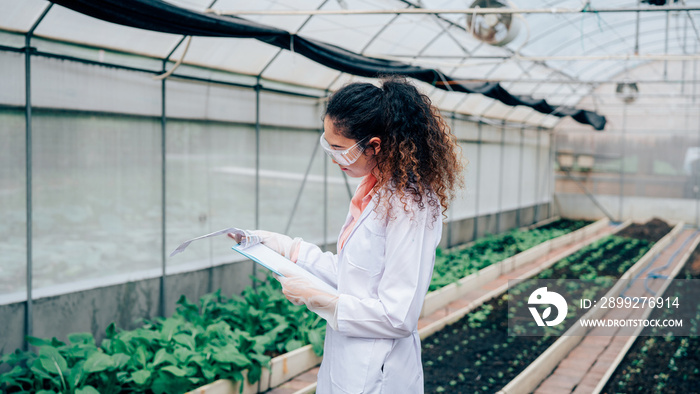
point(540, 369)
point(220, 338)
point(479, 261)
point(452, 265)
point(652, 231)
point(476, 354)
point(664, 363)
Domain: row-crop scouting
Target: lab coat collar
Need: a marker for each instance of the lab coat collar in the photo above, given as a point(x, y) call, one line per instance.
point(367, 211)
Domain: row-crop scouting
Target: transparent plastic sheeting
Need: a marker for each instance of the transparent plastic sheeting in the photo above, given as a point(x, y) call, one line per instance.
point(215, 186)
point(97, 173)
point(12, 78)
point(324, 51)
point(202, 191)
point(649, 165)
point(13, 203)
point(465, 202)
point(69, 85)
point(325, 186)
point(441, 42)
point(96, 185)
point(89, 196)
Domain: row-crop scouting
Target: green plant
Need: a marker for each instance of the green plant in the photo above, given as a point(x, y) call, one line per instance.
point(488, 328)
point(219, 338)
point(454, 265)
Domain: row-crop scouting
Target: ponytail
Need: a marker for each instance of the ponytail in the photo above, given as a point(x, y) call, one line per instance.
point(418, 157)
point(356, 111)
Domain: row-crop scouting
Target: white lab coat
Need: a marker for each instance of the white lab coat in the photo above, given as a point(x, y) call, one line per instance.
point(382, 275)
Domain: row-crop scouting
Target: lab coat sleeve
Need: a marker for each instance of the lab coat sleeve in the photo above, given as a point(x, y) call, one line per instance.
point(324, 265)
point(409, 259)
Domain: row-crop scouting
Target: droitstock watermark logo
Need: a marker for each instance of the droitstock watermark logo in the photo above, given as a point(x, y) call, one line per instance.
point(543, 297)
point(603, 306)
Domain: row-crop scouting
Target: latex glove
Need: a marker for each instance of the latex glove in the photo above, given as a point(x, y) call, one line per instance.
point(280, 243)
point(300, 290)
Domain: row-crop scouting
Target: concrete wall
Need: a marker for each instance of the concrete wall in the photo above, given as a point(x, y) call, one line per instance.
point(128, 303)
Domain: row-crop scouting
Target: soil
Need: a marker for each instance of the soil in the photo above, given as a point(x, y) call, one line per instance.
point(565, 224)
point(462, 260)
point(652, 231)
point(482, 358)
point(650, 365)
point(693, 264)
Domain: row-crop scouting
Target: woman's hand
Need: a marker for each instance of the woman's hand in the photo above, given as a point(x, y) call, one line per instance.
point(280, 243)
point(300, 290)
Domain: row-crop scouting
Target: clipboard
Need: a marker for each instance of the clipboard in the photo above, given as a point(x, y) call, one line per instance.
point(279, 264)
point(258, 254)
point(264, 256)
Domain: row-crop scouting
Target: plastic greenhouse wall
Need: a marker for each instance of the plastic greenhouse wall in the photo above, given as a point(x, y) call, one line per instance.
point(646, 163)
point(122, 168)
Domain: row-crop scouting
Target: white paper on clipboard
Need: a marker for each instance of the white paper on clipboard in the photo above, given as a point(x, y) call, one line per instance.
point(280, 265)
point(252, 248)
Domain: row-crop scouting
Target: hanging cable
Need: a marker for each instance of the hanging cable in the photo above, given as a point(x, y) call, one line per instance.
point(653, 274)
point(177, 64)
point(527, 37)
point(471, 27)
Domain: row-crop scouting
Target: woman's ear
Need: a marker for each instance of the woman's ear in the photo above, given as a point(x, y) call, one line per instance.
point(375, 143)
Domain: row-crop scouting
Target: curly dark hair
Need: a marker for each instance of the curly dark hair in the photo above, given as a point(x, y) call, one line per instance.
point(418, 157)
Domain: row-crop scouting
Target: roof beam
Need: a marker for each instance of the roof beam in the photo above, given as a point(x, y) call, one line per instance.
point(436, 11)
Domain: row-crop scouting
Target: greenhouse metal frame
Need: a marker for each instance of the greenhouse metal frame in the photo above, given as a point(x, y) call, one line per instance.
point(117, 152)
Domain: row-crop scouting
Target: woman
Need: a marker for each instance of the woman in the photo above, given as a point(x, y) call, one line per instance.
point(394, 139)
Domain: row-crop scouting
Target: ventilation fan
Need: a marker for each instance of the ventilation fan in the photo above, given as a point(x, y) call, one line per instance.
point(493, 29)
point(627, 91)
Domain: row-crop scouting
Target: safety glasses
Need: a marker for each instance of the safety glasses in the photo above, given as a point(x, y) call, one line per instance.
point(343, 157)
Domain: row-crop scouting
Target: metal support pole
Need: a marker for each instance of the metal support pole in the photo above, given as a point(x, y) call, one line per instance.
point(518, 219)
point(536, 213)
point(500, 179)
point(301, 188)
point(685, 52)
point(622, 163)
point(163, 281)
point(465, 11)
point(696, 186)
point(478, 185)
point(325, 201)
point(668, 22)
point(450, 219)
point(28, 313)
point(550, 175)
point(28, 310)
point(636, 31)
point(695, 75)
point(696, 190)
point(257, 167)
point(325, 182)
point(590, 195)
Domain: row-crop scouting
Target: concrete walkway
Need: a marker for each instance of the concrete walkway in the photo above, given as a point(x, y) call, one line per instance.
point(586, 364)
point(306, 383)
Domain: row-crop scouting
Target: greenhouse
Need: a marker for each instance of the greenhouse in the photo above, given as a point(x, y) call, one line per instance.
point(555, 144)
